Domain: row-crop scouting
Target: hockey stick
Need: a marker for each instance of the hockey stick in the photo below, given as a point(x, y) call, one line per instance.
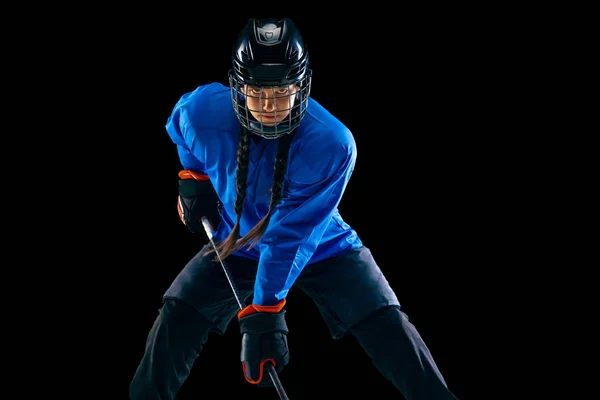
point(270, 367)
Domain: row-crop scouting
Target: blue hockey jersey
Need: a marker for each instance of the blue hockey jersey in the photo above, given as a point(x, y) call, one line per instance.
point(306, 226)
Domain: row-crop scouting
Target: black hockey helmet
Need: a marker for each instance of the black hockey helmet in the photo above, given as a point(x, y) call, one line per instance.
point(270, 55)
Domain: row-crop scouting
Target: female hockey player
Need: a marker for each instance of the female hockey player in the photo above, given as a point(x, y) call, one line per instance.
point(268, 165)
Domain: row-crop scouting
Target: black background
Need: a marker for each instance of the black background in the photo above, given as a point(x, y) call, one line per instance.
point(414, 88)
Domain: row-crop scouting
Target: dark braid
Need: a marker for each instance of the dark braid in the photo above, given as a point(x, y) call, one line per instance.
point(228, 245)
point(241, 176)
point(281, 162)
point(231, 243)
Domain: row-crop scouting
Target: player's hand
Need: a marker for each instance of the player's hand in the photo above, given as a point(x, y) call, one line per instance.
point(264, 339)
point(197, 198)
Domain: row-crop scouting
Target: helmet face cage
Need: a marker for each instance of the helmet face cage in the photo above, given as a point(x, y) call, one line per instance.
point(287, 105)
point(269, 79)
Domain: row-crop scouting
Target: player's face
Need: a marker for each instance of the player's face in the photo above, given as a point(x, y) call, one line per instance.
point(270, 105)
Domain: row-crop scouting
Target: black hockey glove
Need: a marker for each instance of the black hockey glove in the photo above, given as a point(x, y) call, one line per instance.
point(264, 339)
point(197, 198)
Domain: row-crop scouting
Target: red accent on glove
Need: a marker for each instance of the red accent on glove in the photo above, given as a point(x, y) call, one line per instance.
point(180, 209)
point(260, 373)
point(189, 174)
point(254, 308)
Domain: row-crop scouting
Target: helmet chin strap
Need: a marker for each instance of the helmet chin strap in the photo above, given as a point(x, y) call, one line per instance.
point(268, 129)
point(257, 128)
